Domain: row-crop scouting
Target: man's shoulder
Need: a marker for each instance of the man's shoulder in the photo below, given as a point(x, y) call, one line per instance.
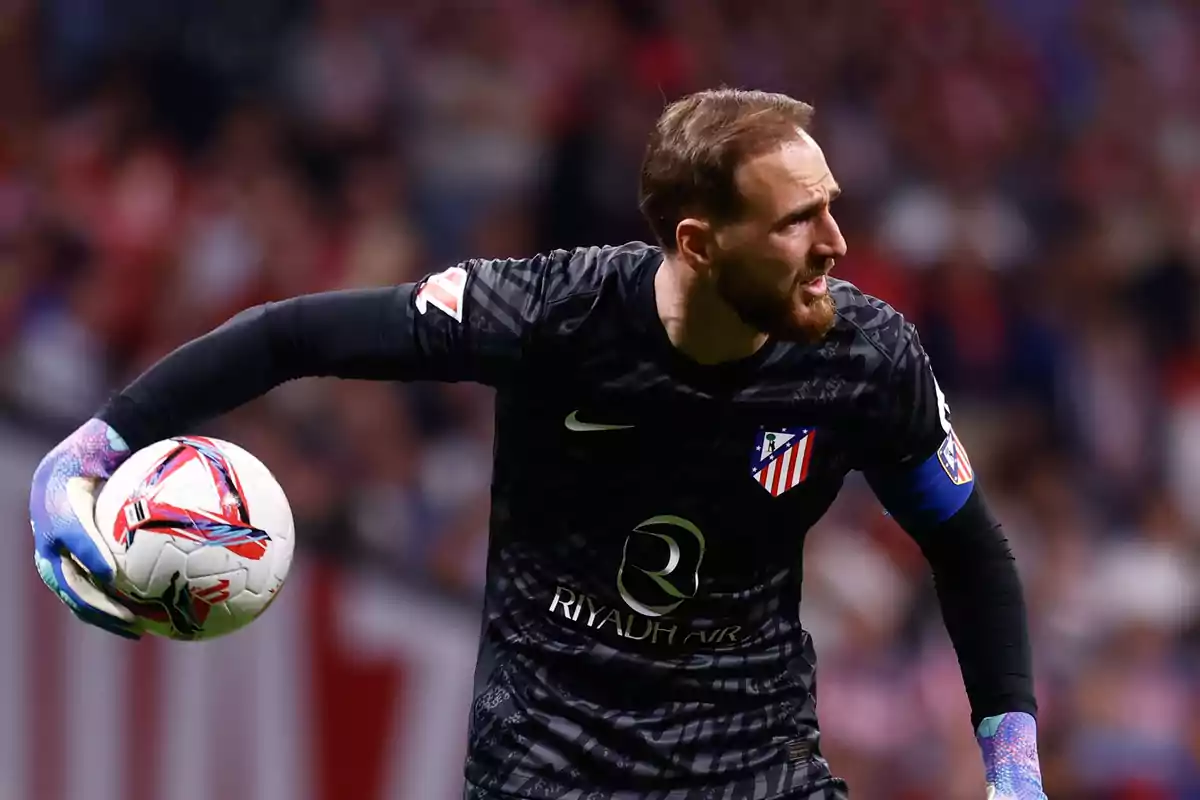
point(555, 294)
point(530, 288)
point(554, 276)
point(870, 321)
point(585, 271)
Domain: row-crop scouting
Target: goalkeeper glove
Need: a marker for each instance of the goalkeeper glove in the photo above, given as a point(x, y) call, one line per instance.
point(1010, 757)
point(71, 556)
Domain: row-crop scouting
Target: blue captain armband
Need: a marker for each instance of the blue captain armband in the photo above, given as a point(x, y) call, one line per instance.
point(928, 492)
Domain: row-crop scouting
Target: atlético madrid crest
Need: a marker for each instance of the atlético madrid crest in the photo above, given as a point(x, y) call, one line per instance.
point(780, 458)
point(954, 460)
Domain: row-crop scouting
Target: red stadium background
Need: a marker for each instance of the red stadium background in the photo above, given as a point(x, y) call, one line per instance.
point(1021, 178)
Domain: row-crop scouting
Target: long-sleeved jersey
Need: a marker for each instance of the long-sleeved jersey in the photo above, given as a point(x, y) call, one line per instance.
point(640, 633)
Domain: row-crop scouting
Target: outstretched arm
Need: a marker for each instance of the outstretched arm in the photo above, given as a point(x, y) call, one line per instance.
point(470, 322)
point(925, 480)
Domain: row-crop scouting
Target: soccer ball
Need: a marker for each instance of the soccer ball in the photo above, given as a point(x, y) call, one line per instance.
point(202, 535)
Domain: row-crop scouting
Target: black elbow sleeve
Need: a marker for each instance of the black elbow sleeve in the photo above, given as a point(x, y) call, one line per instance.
point(983, 606)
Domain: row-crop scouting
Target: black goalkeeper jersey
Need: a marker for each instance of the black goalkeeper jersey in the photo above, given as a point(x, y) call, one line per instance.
point(641, 634)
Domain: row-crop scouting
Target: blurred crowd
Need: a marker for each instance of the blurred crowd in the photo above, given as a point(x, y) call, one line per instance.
point(1021, 178)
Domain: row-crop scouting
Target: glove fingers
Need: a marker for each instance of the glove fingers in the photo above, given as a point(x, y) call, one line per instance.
point(84, 540)
point(105, 623)
point(71, 584)
point(54, 572)
point(76, 580)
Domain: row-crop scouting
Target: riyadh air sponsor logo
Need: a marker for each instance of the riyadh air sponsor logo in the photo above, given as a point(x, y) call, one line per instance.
point(669, 583)
point(659, 572)
point(667, 632)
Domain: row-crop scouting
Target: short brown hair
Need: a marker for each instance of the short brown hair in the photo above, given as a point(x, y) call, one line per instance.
point(697, 145)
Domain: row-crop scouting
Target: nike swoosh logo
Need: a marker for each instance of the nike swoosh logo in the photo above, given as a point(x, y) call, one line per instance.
point(573, 424)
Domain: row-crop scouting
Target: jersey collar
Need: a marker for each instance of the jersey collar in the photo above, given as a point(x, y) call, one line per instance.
point(727, 375)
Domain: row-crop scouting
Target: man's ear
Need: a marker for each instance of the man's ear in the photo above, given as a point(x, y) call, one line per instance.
point(694, 238)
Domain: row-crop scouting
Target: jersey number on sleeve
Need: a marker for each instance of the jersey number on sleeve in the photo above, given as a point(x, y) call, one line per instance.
point(445, 291)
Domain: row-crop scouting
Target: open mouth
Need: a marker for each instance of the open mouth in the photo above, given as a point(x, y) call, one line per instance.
point(817, 286)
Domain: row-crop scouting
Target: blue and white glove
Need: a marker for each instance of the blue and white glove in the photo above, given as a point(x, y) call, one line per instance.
point(1010, 757)
point(70, 554)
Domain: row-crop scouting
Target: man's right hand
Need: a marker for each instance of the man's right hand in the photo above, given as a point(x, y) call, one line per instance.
point(71, 556)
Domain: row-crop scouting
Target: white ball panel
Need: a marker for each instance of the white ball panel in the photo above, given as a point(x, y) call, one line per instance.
point(248, 601)
point(139, 561)
point(204, 561)
point(170, 567)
